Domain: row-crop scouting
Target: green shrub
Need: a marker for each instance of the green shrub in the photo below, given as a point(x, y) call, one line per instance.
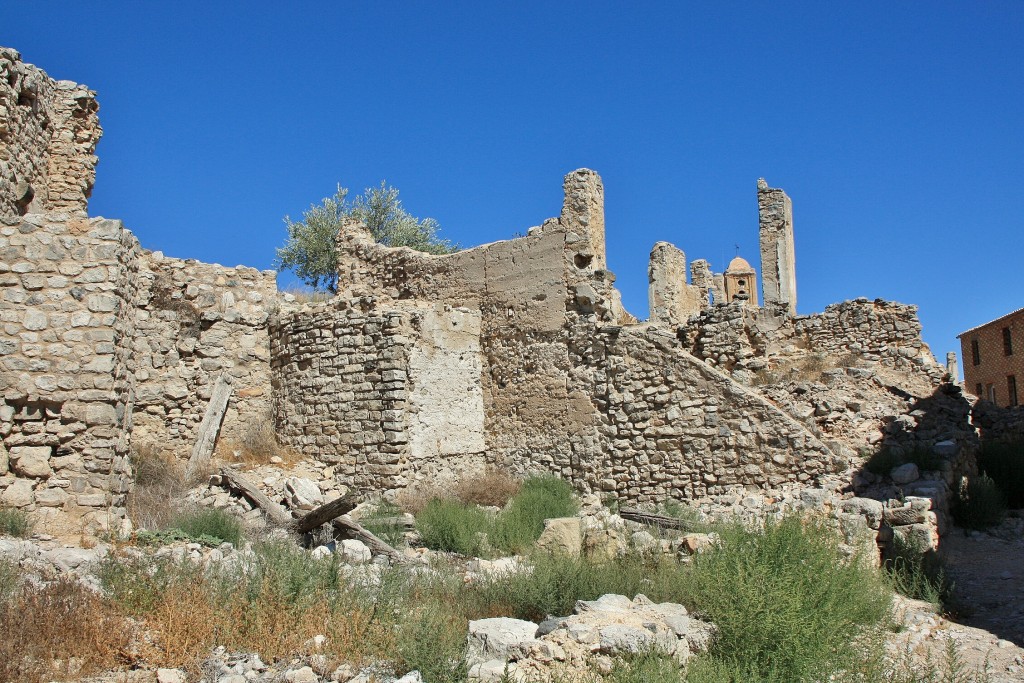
point(787, 607)
point(520, 524)
point(10, 579)
point(1004, 462)
point(209, 522)
point(446, 524)
point(432, 640)
point(980, 505)
point(916, 575)
point(647, 667)
point(453, 526)
point(14, 522)
point(381, 524)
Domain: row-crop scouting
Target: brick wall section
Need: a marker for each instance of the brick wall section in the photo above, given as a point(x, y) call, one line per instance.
point(995, 366)
point(65, 288)
point(48, 135)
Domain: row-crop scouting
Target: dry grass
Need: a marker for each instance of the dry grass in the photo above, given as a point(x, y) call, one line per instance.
point(61, 631)
point(256, 446)
point(307, 296)
point(491, 487)
point(159, 485)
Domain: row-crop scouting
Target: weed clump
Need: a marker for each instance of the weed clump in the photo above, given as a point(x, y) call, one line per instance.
point(1004, 462)
point(786, 607)
point(209, 523)
point(980, 504)
point(456, 526)
point(159, 483)
point(14, 522)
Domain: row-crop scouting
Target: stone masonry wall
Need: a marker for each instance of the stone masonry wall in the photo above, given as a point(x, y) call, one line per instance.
point(195, 322)
point(48, 135)
point(65, 288)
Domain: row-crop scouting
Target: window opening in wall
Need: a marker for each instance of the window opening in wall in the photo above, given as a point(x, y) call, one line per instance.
point(977, 390)
point(975, 352)
point(1011, 390)
point(1007, 342)
point(990, 390)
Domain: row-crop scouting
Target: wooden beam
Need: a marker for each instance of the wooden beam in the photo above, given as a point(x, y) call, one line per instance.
point(277, 514)
point(325, 513)
point(663, 521)
point(209, 428)
point(350, 528)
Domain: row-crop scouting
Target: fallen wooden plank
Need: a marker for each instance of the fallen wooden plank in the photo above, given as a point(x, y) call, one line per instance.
point(663, 521)
point(325, 513)
point(350, 528)
point(277, 514)
point(209, 428)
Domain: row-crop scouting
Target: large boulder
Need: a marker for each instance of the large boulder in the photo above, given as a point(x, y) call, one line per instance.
point(562, 536)
point(497, 638)
point(31, 461)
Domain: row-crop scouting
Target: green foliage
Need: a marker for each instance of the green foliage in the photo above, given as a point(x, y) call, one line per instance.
point(381, 524)
point(10, 579)
point(980, 505)
point(647, 667)
point(1004, 462)
point(432, 640)
point(787, 608)
point(520, 524)
point(203, 524)
point(452, 525)
point(14, 522)
point(310, 250)
point(921, 576)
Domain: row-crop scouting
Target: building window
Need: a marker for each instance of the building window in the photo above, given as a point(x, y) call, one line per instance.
point(977, 390)
point(1007, 342)
point(1011, 390)
point(975, 352)
point(990, 391)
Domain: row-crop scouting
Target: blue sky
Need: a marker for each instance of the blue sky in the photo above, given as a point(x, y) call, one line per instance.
point(897, 128)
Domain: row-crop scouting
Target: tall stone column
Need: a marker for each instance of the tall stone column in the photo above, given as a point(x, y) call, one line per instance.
point(670, 299)
point(583, 214)
point(778, 256)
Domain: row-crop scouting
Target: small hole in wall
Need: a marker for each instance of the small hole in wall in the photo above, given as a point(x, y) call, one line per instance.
point(582, 260)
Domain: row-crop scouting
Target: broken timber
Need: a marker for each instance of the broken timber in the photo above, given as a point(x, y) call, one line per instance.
point(209, 428)
point(332, 512)
point(663, 521)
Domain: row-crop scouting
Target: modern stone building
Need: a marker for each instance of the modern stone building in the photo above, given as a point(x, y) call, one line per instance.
point(993, 356)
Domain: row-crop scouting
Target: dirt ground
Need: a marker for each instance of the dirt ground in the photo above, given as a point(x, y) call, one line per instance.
point(986, 610)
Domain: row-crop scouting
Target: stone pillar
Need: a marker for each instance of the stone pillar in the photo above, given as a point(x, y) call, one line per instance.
point(583, 215)
point(703, 280)
point(778, 258)
point(718, 289)
point(951, 367)
point(671, 300)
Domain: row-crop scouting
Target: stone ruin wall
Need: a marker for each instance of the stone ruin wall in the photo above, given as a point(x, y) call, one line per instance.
point(196, 322)
point(564, 386)
point(66, 307)
point(517, 352)
point(48, 135)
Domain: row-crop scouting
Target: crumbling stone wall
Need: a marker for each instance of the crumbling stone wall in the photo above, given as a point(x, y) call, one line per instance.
point(66, 308)
point(996, 423)
point(195, 322)
point(381, 394)
point(564, 387)
point(778, 251)
point(48, 135)
point(671, 301)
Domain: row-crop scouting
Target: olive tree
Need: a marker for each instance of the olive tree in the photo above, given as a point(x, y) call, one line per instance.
point(311, 251)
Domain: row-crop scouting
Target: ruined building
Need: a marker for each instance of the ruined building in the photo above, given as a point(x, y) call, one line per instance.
point(517, 352)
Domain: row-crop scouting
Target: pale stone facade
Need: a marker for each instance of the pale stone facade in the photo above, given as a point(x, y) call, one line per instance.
point(778, 252)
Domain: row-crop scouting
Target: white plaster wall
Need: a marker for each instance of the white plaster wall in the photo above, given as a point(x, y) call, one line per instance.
point(446, 403)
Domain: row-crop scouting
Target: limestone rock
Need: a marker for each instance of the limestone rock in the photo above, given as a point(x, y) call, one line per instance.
point(17, 495)
point(495, 638)
point(303, 494)
point(604, 545)
point(562, 536)
point(170, 676)
point(905, 474)
point(354, 551)
point(4, 459)
point(31, 461)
